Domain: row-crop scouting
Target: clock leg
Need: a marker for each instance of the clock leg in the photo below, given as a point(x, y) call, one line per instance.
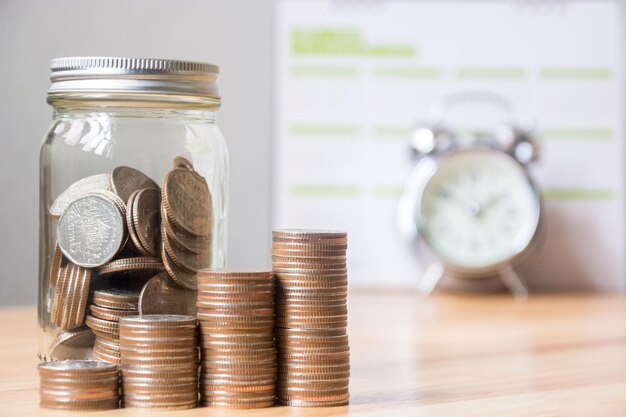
point(514, 282)
point(429, 280)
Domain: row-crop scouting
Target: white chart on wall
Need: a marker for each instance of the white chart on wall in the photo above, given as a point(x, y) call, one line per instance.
point(353, 77)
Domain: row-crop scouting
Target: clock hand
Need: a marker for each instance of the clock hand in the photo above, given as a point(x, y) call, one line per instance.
point(493, 200)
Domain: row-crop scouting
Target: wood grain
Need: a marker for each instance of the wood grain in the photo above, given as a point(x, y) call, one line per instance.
point(442, 356)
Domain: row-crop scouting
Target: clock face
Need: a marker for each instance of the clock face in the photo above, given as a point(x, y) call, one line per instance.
point(478, 209)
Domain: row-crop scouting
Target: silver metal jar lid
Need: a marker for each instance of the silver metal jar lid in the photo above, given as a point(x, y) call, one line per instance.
point(151, 78)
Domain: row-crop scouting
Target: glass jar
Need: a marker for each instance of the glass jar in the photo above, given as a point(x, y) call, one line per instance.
point(133, 197)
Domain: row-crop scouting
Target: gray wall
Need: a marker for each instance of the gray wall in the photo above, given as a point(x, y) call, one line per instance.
point(235, 34)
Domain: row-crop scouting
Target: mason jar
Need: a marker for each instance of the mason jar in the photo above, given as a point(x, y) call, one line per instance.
point(133, 197)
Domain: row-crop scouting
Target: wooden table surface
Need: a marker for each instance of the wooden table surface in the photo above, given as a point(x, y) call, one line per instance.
point(442, 356)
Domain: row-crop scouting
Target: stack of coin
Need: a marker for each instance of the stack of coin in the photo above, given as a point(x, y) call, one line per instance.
point(79, 385)
point(311, 317)
point(236, 316)
point(107, 309)
point(186, 223)
point(70, 296)
point(159, 361)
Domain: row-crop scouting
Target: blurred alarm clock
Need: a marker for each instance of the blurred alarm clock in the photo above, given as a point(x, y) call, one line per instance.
point(470, 203)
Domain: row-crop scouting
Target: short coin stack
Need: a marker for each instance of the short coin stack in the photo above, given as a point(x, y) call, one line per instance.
point(236, 316)
point(70, 296)
point(106, 309)
point(79, 385)
point(159, 361)
point(311, 317)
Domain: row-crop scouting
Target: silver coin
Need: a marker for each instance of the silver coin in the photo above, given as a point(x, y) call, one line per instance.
point(77, 190)
point(91, 230)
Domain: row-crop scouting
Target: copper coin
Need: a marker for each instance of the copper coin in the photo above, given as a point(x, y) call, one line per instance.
point(126, 180)
point(59, 295)
point(207, 388)
point(309, 233)
point(209, 349)
point(135, 243)
point(183, 239)
point(159, 399)
point(212, 329)
point(308, 254)
point(160, 320)
point(321, 267)
point(314, 357)
point(302, 403)
point(314, 333)
point(237, 292)
point(310, 247)
point(295, 303)
point(84, 405)
point(181, 277)
point(146, 219)
point(239, 338)
point(107, 346)
point(312, 287)
point(116, 298)
point(187, 201)
point(211, 303)
point(72, 344)
point(302, 270)
point(142, 361)
point(236, 273)
point(102, 326)
point(172, 372)
point(130, 403)
point(243, 353)
point(186, 260)
point(160, 295)
point(55, 266)
point(73, 294)
point(109, 314)
point(244, 313)
point(311, 375)
point(320, 345)
point(182, 163)
point(317, 367)
point(227, 405)
point(312, 310)
point(131, 264)
point(106, 357)
point(314, 260)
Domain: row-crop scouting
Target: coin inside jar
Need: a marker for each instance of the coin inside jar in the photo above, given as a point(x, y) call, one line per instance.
point(91, 231)
point(161, 295)
point(187, 201)
point(126, 180)
point(143, 219)
point(78, 189)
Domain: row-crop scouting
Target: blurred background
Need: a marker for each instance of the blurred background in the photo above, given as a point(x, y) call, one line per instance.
point(319, 102)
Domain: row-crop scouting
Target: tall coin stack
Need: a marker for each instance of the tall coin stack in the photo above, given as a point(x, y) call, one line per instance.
point(159, 361)
point(238, 356)
point(311, 317)
point(106, 309)
point(79, 385)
